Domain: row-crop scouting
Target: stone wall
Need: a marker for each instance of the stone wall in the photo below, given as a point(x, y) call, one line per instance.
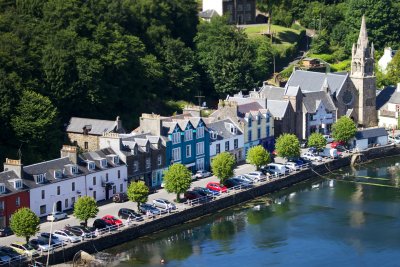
point(128, 234)
point(80, 139)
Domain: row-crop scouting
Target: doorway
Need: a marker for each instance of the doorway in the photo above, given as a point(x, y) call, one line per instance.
point(59, 206)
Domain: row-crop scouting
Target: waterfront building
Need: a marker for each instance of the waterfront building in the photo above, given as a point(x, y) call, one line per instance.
point(369, 138)
point(388, 104)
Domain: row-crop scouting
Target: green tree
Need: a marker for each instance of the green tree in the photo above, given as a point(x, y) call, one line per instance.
point(177, 179)
point(258, 156)
point(226, 55)
point(288, 146)
point(393, 70)
point(85, 208)
point(25, 223)
point(222, 166)
point(317, 140)
point(320, 43)
point(344, 129)
point(264, 58)
point(138, 192)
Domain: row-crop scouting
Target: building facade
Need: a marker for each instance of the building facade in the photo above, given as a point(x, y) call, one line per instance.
point(238, 11)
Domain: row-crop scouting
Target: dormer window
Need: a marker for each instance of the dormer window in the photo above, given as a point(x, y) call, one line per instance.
point(116, 160)
point(18, 184)
point(213, 135)
point(74, 169)
point(91, 166)
point(58, 174)
point(2, 188)
point(233, 129)
point(39, 178)
point(103, 163)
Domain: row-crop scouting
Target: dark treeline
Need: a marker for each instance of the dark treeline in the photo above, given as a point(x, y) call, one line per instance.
point(108, 58)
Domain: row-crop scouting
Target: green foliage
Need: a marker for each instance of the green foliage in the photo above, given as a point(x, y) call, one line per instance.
point(287, 146)
point(226, 55)
point(177, 179)
point(344, 129)
point(393, 70)
point(25, 223)
point(258, 156)
point(316, 140)
point(320, 43)
point(85, 208)
point(341, 66)
point(287, 72)
point(138, 192)
point(264, 58)
point(222, 166)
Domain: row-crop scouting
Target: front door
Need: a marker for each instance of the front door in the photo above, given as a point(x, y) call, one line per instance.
point(107, 192)
point(59, 206)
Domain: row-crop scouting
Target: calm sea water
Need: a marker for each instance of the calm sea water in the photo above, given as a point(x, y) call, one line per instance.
point(348, 218)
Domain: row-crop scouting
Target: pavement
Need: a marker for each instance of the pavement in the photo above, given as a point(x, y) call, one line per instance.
point(112, 208)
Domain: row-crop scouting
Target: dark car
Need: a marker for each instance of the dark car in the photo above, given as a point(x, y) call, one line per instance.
point(80, 230)
point(205, 191)
point(101, 224)
point(6, 231)
point(236, 182)
point(128, 213)
point(149, 209)
point(191, 195)
point(10, 252)
point(120, 197)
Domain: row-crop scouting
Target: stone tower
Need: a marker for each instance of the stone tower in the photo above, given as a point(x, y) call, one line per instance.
point(363, 78)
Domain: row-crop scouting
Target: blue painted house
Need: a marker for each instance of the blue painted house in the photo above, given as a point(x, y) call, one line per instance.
point(187, 139)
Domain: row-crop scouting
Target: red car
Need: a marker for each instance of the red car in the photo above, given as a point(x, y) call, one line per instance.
point(334, 144)
point(214, 186)
point(112, 220)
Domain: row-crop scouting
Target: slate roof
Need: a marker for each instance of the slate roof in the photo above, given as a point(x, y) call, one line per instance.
point(387, 95)
point(208, 14)
point(310, 81)
point(5, 178)
point(97, 127)
point(95, 156)
point(370, 133)
point(292, 90)
point(311, 101)
point(272, 92)
point(278, 108)
point(222, 130)
point(247, 107)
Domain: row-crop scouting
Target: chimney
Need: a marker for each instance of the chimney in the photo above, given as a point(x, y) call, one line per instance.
point(150, 123)
point(118, 125)
point(71, 152)
point(195, 111)
point(398, 88)
point(14, 165)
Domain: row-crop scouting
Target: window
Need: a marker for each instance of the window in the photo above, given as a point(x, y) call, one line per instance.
point(249, 136)
point(2, 188)
point(176, 138)
point(218, 147)
point(235, 143)
point(200, 164)
point(103, 163)
point(58, 190)
point(267, 131)
point(119, 174)
point(94, 195)
point(43, 194)
point(91, 166)
point(233, 129)
point(229, 7)
point(214, 135)
point(73, 186)
point(66, 203)
point(247, 7)
point(106, 177)
point(249, 122)
point(1, 205)
point(86, 145)
point(17, 201)
point(226, 145)
point(176, 154)
point(121, 188)
point(200, 148)
point(258, 119)
point(42, 209)
point(18, 184)
point(188, 151)
point(239, 7)
point(188, 135)
point(94, 180)
point(159, 160)
point(258, 133)
point(200, 132)
point(135, 166)
point(247, 17)
point(114, 190)
point(116, 160)
point(74, 169)
point(40, 178)
point(148, 163)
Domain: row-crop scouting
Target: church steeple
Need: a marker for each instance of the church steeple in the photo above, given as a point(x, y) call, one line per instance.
point(362, 63)
point(363, 36)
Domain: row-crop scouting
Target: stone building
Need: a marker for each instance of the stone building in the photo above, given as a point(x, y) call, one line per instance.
point(85, 133)
point(238, 11)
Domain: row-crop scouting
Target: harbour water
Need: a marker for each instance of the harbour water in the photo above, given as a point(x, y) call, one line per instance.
point(348, 218)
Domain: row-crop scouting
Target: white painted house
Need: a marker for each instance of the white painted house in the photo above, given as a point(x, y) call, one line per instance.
point(369, 138)
point(388, 102)
point(387, 57)
point(225, 135)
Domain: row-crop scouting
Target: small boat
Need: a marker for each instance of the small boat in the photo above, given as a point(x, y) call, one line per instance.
point(257, 207)
point(315, 186)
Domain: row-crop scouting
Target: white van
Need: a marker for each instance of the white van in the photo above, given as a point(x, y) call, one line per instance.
point(275, 168)
point(329, 153)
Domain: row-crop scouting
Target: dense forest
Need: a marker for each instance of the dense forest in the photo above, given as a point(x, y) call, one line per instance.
point(108, 58)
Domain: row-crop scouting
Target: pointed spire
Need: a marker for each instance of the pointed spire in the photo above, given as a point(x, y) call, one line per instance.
point(363, 37)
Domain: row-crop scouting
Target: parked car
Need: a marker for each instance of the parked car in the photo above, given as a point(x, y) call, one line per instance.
point(67, 236)
point(255, 176)
point(4, 258)
point(292, 165)
point(24, 249)
point(244, 178)
point(120, 197)
point(149, 209)
point(10, 252)
point(236, 182)
point(311, 156)
point(128, 213)
point(102, 224)
point(192, 195)
point(202, 174)
point(81, 231)
point(328, 138)
point(164, 204)
point(329, 153)
point(214, 186)
point(6, 231)
point(112, 220)
point(312, 150)
point(55, 241)
point(40, 245)
point(56, 216)
point(334, 144)
point(205, 191)
point(277, 169)
point(394, 139)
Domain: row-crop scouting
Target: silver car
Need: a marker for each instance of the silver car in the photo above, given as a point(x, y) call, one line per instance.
point(163, 204)
point(67, 236)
